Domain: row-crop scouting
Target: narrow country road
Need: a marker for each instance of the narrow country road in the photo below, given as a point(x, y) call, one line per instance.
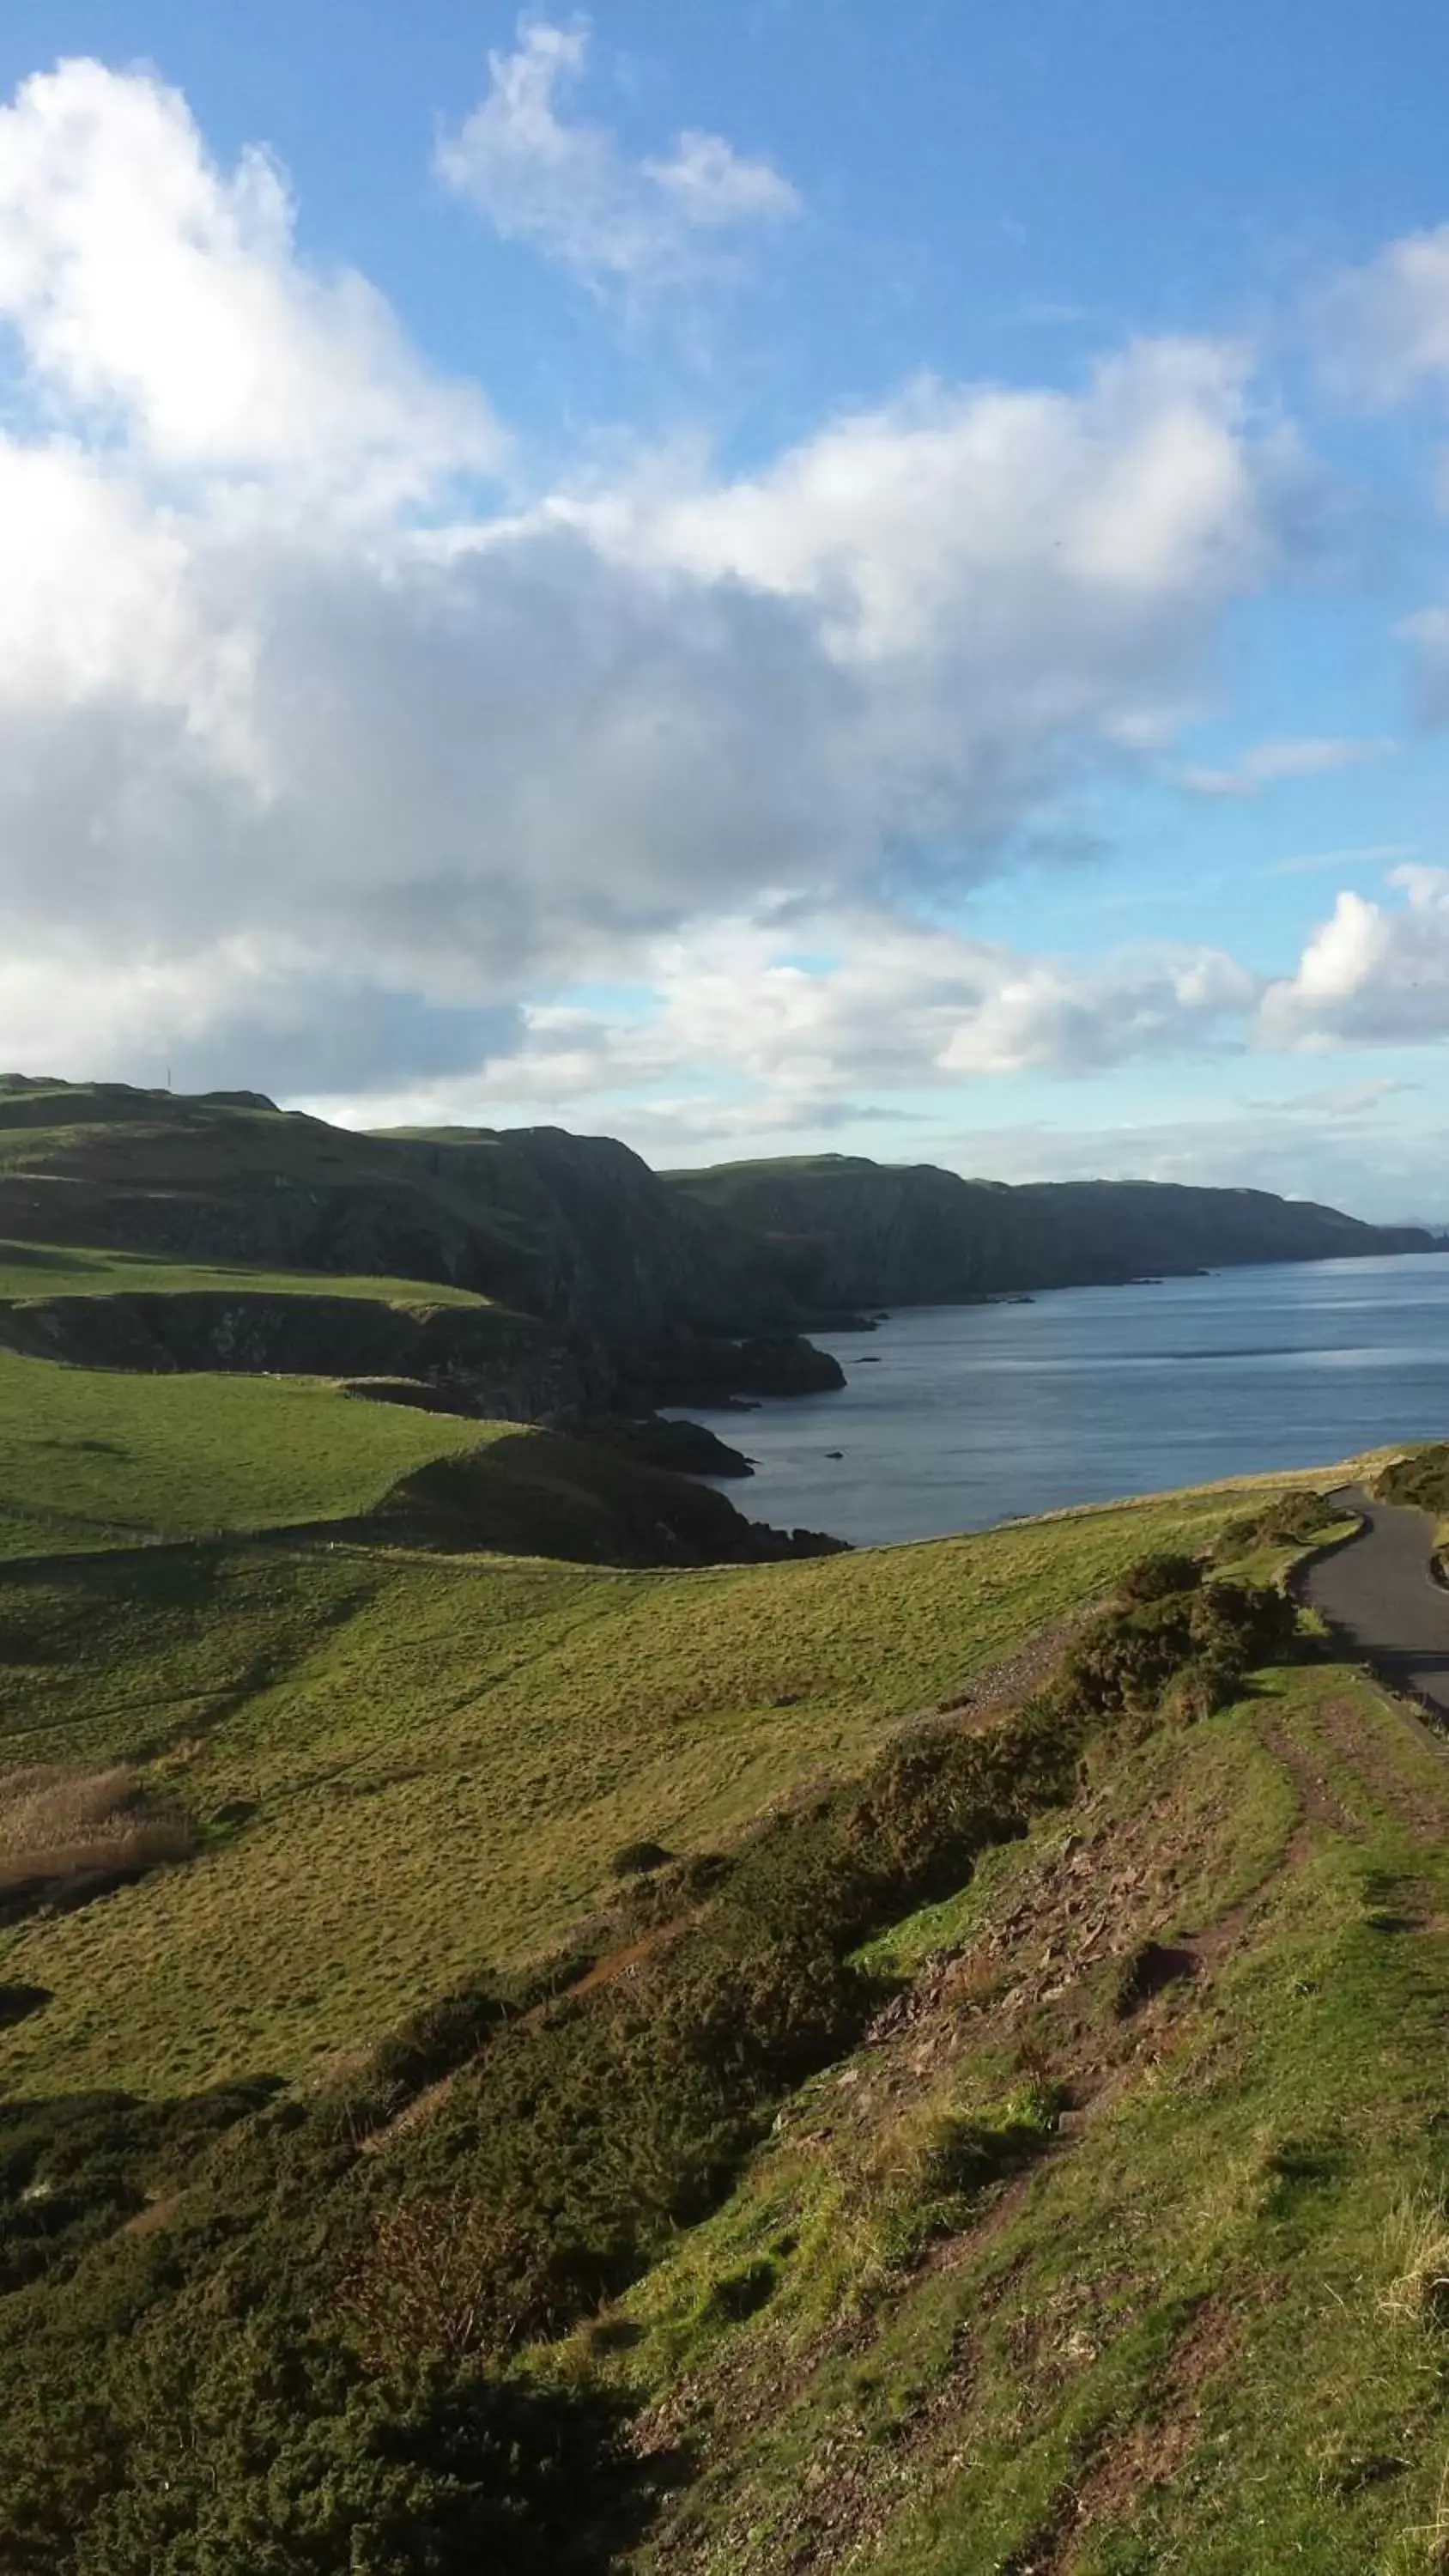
point(1379, 1588)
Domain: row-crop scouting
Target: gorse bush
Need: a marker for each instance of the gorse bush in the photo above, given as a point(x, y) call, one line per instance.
point(1292, 1520)
point(1157, 1578)
point(1205, 1640)
point(1422, 1480)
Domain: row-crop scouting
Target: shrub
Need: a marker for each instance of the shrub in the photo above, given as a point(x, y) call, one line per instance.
point(1156, 1578)
point(1125, 1661)
point(1241, 1625)
point(1290, 1520)
point(1199, 1690)
point(1422, 1480)
point(437, 2038)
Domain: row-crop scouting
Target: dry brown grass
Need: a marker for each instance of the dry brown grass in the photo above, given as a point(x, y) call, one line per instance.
point(1418, 2236)
point(58, 1825)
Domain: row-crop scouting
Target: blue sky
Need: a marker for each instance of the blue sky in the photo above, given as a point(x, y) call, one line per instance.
point(760, 579)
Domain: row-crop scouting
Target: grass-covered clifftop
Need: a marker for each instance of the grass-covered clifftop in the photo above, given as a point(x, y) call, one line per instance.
point(440, 1756)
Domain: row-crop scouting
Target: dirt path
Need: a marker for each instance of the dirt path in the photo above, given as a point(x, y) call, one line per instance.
point(1380, 1589)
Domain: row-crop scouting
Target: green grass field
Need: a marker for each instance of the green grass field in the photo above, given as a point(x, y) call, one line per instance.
point(31, 1270)
point(96, 1458)
point(442, 1755)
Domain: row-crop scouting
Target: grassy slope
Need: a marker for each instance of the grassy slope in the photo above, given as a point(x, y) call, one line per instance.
point(444, 1754)
point(1170, 2342)
point(39, 1270)
point(95, 1458)
point(1176, 2341)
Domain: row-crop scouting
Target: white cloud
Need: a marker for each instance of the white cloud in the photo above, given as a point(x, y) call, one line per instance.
point(1374, 974)
point(568, 187)
point(1384, 327)
point(786, 1023)
point(161, 299)
point(793, 1022)
point(710, 185)
point(253, 711)
point(1272, 762)
point(1004, 579)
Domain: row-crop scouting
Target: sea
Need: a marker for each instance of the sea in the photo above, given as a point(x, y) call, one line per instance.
point(960, 1417)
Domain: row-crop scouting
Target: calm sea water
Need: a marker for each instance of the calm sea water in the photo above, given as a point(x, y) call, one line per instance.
point(958, 1416)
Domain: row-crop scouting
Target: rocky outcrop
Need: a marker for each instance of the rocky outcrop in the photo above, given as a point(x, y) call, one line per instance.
point(696, 1368)
point(686, 1448)
point(504, 1368)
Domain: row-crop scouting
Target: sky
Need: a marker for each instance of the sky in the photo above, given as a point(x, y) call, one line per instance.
point(778, 578)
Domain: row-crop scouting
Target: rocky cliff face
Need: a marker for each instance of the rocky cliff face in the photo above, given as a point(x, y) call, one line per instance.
point(847, 1232)
point(572, 1228)
point(577, 1232)
point(504, 1369)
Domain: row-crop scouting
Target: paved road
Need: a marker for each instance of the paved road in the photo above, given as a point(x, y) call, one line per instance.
point(1379, 1588)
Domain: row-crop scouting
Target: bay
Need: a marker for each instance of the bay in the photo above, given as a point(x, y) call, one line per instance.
point(957, 1417)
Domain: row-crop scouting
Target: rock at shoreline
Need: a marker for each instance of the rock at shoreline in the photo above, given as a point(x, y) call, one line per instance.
point(703, 1369)
point(686, 1447)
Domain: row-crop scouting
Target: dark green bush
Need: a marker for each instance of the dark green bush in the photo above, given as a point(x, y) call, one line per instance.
point(1290, 1520)
point(1198, 1690)
point(1422, 1480)
point(1125, 1661)
point(1126, 1658)
point(1241, 1625)
point(1156, 1578)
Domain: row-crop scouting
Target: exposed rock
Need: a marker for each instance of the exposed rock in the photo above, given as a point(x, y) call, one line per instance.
point(507, 1368)
point(694, 1368)
point(686, 1447)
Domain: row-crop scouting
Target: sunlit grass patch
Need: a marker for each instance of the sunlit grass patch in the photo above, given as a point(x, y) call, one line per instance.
point(440, 1757)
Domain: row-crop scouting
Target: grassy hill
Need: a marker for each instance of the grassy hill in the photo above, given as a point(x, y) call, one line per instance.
point(1121, 2246)
point(576, 1230)
point(439, 1758)
point(32, 1273)
point(104, 1458)
point(828, 2065)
